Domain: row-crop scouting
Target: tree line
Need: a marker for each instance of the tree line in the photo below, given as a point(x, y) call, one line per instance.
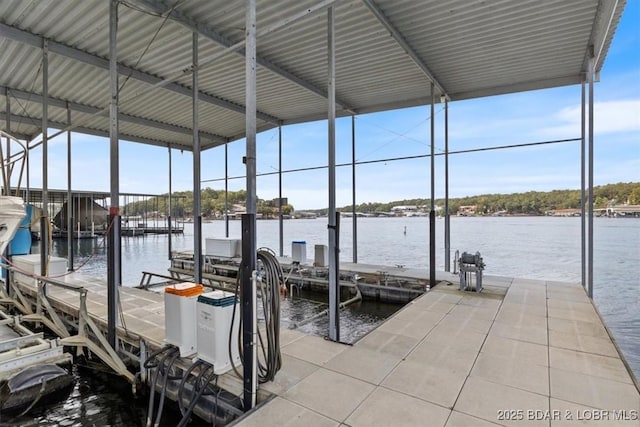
point(212, 204)
point(529, 203)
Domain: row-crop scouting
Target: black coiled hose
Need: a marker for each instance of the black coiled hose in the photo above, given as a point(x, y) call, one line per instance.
point(271, 278)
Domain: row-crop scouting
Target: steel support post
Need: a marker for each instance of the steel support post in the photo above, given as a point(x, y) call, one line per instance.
point(8, 189)
point(246, 292)
point(114, 271)
point(197, 208)
point(44, 219)
point(8, 127)
point(583, 166)
point(249, 219)
point(226, 189)
point(447, 217)
point(69, 198)
point(590, 167)
point(170, 204)
point(334, 266)
point(353, 189)
point(27, 192)
point(280, 219)
point(432, 211)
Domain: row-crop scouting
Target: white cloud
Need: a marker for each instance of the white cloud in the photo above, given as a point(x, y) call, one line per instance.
point(609, 117)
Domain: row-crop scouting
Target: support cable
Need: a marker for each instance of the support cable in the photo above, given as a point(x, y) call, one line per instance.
point(417, 156)
point(155, 35)
point(24, 106)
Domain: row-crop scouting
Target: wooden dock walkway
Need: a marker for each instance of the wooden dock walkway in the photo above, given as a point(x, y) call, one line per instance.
point(522, 352)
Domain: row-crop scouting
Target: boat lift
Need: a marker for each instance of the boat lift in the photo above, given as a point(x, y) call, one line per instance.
point(468, 265)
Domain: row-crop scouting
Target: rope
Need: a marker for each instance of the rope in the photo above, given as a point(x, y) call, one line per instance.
point(43, 386)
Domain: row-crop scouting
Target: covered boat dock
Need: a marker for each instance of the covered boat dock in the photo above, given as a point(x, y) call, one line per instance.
point(193, 75)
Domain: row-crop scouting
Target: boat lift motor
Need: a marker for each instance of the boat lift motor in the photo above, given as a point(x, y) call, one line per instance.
point(469, 264)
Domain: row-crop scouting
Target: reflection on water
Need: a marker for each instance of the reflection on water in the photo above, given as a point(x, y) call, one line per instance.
point(96, 400)
point(356, 320)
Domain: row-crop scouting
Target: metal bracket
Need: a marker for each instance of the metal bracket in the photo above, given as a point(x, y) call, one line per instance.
point(104, 350)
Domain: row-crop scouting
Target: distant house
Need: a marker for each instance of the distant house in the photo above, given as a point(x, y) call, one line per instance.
point(277, 202)
point(467, 210)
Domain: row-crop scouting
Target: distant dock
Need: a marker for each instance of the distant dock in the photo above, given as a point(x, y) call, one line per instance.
point(144, 230)
point(124, 232)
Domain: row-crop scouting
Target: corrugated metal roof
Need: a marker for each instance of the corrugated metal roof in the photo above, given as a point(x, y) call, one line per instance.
point(471, 48)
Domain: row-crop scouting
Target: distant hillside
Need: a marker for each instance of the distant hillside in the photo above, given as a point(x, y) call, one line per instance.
point(531, 203)
point(212, 203)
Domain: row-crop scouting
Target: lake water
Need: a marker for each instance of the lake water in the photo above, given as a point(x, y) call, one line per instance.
point(532, 247)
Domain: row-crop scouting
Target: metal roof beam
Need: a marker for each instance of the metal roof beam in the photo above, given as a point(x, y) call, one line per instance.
point(89, 109)
point(601, 32)
point(91, 131)
point(398, 37)
point(18, 135)
point(36, 193)
point(518, 87)
point(159, 7)
point(58, 48)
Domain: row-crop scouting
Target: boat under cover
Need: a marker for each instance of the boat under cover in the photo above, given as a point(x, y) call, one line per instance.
point(37, 384)
point(12, 211)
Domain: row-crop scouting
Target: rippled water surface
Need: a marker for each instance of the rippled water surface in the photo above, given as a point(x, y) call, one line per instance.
point(534, 247)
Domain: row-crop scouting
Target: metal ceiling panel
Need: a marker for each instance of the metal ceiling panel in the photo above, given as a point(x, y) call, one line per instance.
point(386, 53)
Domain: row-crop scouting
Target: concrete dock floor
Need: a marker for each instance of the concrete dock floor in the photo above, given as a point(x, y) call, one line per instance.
point(522, 352)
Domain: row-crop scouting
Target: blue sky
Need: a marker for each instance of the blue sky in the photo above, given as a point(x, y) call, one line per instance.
point(509, 119)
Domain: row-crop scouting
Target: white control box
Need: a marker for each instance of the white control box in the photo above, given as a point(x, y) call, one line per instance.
point(215, 313)
point(30, 264)
point(299, 251)
point(180, 316)
point(321, 256)
point(224, 247)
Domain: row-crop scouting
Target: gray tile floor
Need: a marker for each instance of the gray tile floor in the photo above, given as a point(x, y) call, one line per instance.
point(521, 353)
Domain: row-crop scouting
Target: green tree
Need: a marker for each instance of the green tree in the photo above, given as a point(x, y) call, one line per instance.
point(287, 209)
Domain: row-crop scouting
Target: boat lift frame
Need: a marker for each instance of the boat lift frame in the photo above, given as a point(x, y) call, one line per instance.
point(45, 313)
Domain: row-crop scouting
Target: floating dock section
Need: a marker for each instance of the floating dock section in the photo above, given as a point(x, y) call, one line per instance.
point(389, 284)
